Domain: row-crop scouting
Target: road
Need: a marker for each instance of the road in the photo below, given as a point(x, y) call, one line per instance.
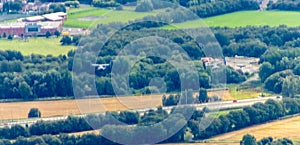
point(212, 106)
point(221, 105)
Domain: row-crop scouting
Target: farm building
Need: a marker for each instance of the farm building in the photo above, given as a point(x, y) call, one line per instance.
point(29, 29)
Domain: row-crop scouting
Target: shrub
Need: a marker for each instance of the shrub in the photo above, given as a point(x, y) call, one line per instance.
point(34, 112)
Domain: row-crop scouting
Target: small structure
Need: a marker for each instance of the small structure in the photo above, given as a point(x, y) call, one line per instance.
point(206, 59)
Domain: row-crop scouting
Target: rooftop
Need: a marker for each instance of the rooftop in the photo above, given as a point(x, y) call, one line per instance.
point(53, 17)
point(35, 18)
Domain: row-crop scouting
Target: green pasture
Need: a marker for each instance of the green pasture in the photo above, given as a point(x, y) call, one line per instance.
point(245, 18)
point(43, 46)
point(102, 16)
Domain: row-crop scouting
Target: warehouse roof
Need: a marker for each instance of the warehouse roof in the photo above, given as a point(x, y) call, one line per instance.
point(34, 18)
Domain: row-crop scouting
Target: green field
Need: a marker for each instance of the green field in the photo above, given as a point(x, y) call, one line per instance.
point(239, 94)
point(104, 16)
point(244, 18)
point(42, 46)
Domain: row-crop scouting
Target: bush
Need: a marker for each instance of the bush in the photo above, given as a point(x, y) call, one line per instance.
point(74, 4)
point(10, 37)
point(34, 112)
point(48, 34)
point(145, 6)
point(104, 4)
point(66, 40)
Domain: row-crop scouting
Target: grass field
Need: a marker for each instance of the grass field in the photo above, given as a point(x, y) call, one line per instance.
point(222, 112)
point(242, 94)
point(244, 18)
point(41, 46)
point(104, 16)
point(278, 129)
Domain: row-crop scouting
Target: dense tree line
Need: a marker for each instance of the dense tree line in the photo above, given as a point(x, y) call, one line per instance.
point(12, 6)
point(255, 114)
point(247, 41)
point(255, 41)
point(93, 139)
point(34, 76)
point(286, 5)
point(280, 71)
point(70, 125)
point(217, 7)
point(54, 7)
point(41, 72)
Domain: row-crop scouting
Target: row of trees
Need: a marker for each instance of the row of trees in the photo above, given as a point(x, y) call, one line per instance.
point(93, 139)
point(78, 124)
point(62, 139)
point(218, 7)
point(251, 140)
point(235, 120)
point(188, 98)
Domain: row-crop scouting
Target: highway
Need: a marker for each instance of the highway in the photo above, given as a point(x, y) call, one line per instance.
point(220, 105)
point(212, 106)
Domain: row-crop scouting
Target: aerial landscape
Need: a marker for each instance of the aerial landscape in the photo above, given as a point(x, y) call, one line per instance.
point(171, 72)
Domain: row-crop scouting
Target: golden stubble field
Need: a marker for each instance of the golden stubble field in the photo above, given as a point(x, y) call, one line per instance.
point(289, 128)
point(19, 110)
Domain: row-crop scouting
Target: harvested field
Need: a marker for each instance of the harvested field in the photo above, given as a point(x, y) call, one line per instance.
point(278, 129)
point(19, 110)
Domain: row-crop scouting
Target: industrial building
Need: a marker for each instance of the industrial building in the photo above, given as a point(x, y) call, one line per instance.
point(29, 28)
point(52, 17)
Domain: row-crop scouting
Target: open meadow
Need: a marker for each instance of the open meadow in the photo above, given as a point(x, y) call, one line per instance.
point(242, 94)
point(37, 45)
point(86, 17)
point(245, 18)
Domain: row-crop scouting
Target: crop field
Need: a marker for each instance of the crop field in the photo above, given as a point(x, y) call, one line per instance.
point(245, 18)
point(41, 46)
point(278, 129)
point(86, 17)
point(19, 110)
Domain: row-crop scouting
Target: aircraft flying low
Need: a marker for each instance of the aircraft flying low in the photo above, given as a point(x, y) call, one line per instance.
point(100, 66)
